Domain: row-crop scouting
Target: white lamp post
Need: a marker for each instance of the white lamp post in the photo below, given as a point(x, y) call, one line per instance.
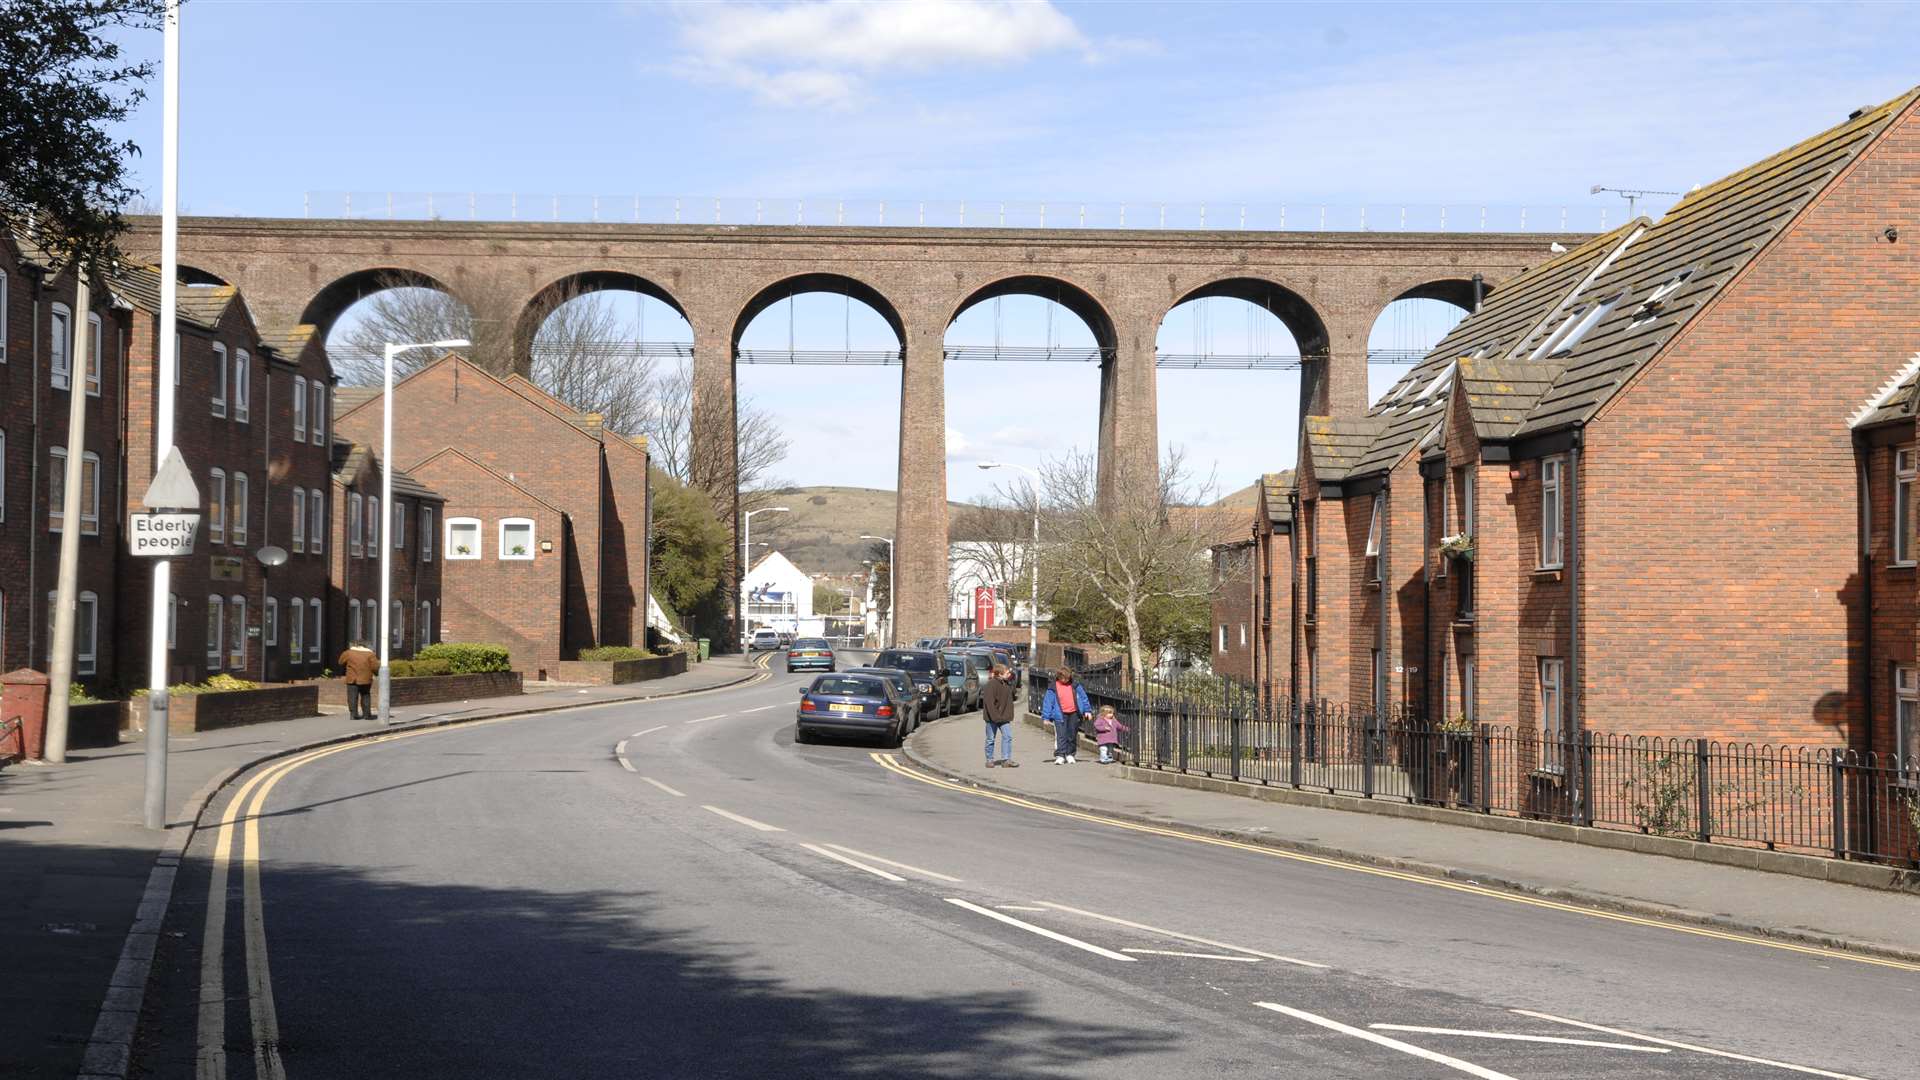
point(1033, 561)
point(746, 554)
point(382, 528)
point(893, 601)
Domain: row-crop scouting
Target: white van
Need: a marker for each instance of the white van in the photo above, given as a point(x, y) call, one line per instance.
point(764, 638)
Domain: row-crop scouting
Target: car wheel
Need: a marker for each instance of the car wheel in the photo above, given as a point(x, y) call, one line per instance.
point(893, 738)
point(802, 735)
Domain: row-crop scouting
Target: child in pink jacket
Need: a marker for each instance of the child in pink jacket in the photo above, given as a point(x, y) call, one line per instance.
point(1106, 732)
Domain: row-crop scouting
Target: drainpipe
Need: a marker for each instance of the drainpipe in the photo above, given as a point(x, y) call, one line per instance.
point(1576, 727)
point(1293, 599)
point(1426, 604)
point(1380, 632)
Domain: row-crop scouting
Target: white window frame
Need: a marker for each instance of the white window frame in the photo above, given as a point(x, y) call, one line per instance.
point(296, 630)
point(217, 506)
point(506, 523)
point(242, 386)
point(299, 408)
point(237, 509)
point(1222, 647)
point(86, 633)
point(353, 622)
point(60, 347)
point(398, 512)
point(453, 547)
point(371, 608)
point(426, 518)
point(56, 488)
point(1469, 675)
point(316, 522)
point(237, 640)
point(423, 629)
point(354, 504)
point(1906, 466)
point(89, 492)
point(298, 538)
point(1552, 671)
point(319, 630)
point(216, 631)
point(374, 531)
point(1906, 719)
point(1553, 540)
point(1243, 635)
point(317, 415)
point(94, 352)
point(397, 624)
point(219, 402)
point(270, 622)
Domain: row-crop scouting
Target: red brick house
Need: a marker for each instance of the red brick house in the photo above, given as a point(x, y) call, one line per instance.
point(1273, 575)
point(1234, 632)
point(1889, 463)
point(411, 531)
point(532, 474)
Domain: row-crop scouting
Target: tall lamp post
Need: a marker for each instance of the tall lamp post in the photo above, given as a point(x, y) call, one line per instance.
point(1033, 560)
point(892, 600)
point(746, 555)
point(383, 528)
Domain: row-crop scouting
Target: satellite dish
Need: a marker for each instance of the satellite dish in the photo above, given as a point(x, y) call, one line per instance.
point(271, 556)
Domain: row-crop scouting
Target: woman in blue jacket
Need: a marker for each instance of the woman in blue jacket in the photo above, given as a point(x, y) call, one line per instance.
point(1065, 707)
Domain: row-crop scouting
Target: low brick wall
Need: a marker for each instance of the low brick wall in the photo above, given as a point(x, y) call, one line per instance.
point(614, 672)
point(188, 713)
point(432, 689)
point(91, 727)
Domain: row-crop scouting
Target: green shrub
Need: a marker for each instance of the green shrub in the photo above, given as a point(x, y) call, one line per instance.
point(77, 695)
point(463, 658)
point(217, 684)
point(417, 668)
point(614, 652)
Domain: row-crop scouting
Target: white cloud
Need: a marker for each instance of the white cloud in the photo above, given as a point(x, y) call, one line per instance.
point(822, 52)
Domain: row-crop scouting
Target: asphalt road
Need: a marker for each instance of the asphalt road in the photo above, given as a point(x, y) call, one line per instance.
point(512, 899)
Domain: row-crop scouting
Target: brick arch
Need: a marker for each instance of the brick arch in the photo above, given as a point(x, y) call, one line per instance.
point(325, 307)
point(1455, 291)
point(1295, 312)
point(556, 292)
point(193, 275)
point(1060, 290)
point(820, 282)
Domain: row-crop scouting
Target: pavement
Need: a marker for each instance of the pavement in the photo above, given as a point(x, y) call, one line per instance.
point(1736, 899)
point(75, 859)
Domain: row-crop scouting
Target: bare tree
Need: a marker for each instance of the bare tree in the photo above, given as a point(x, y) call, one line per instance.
point(578, 359)
point(1134, 542)
point(995, 537)
point(405, 311)
point(762, 445)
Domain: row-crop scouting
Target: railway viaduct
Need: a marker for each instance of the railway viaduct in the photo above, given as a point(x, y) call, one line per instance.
point(1326, 287)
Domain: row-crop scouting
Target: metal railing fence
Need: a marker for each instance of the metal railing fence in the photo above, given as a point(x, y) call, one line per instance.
point(1832, 802)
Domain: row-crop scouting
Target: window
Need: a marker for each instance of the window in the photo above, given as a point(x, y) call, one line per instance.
point(1552, 542)
point(426, 518)
point(90, 494)
point(353, 523)
point(57, 491)
point(242, 385)
point(423, 630)
point(299, 408)
point(237, 632)
point(1589, 317)
point(217, 507)
point(516, 538)
point(1904, 463)
point(93, 355)
point(1373, 534)
point(1223, 638)
point(1468, 669)
point(270, 622)
point(1657, 302)
point(216, 620)
point(316, 522)
point(296, 629)
point(399, 525)
point(1553, 732)
point(173, 619)
point(299, 538)
point(60, 348)
point(86, 630)
point(372, 607)
point(1243, 635)
point(353, 622)
point(318, 419)
point(397, 625)
point(1466, 501)
point(373, 526)
point(219, 379)
point(314, 638)
point(463, 538)
point(1906, 717)
point(238, 513)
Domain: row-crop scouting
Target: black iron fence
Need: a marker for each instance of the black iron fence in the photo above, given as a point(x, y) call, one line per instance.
point(1811, 800)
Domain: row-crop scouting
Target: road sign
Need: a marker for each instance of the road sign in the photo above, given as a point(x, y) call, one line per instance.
point(172, 487)
point(161, 536)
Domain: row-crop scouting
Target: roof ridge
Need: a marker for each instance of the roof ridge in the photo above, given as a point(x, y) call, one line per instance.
point(489, 470)
point(1864, 118)
point(1880, 396)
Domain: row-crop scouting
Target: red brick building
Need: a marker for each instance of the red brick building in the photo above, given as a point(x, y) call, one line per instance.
point(1234, 631)
point(545, 519)
point(411, 532)
point(1648, 445)
point(1273, 573)
point(1889, 459)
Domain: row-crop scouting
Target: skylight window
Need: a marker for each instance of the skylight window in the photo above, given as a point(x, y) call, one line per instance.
point(1439, 382)
point(1657, 302)
point(1587, 322)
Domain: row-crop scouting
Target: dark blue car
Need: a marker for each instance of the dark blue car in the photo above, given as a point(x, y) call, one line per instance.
point(848, 704)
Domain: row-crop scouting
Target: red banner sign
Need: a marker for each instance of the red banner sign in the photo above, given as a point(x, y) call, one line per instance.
point(984, 607)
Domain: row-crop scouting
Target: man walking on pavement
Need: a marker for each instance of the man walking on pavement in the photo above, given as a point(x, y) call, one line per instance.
point(358, 666)
point(996, 704)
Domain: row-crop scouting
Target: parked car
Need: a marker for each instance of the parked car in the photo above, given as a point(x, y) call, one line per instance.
point(763, 639)
point(786, 638)
point(1003, 655)
point(964, 680)
point(812, 653)
point(848, 704)
point(916, 703)
point(927, 672)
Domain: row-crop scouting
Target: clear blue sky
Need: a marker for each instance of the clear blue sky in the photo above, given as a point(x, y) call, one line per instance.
point(962, 99)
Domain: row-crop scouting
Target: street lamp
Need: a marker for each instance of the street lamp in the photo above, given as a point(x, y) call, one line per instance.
point(746, 551)
point(892, 600)
point(386, 508)
point(1033, 560)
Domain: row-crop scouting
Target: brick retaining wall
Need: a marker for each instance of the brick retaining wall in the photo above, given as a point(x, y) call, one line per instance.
point(188, 713)
point(433, 689)
point(614, 672)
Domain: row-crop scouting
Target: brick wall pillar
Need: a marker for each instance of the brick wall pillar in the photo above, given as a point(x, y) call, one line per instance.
point(1334, 382)
point(715, 446)
point(23, 696)
point(1129, 403)
point(920, 526)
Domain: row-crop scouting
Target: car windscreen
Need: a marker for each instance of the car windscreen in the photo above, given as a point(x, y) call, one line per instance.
point(905, 661)
point(853, 685)
point(956, 665)
point(811, 643)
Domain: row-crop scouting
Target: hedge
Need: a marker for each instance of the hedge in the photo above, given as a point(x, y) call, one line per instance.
point(464, 658)
point(615, 652)
point(410, 669)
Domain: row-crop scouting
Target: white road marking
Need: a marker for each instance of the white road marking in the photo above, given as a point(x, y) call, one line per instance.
point(895, 865)
point(1183, 937)
point(837, 857)
point(620, 755)
point(764, 708)
point(747, 821)
point(1417, 1029)
point(704, 719)
point(649, 731)
point(1623, 1033)
point(663, 787)
point(1041, 930)
point(1423, 1053)
point(1019, 907)
point(1197, 956)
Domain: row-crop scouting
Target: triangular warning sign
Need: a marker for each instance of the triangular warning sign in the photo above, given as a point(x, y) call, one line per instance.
point(173, 487)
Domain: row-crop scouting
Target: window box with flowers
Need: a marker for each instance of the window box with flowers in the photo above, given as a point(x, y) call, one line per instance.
point(1458, 546)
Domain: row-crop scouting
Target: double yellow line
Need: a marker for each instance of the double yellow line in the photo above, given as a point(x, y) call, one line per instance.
point(891, 764)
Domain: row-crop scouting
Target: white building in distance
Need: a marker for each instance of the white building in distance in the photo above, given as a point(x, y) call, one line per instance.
point(776, 594)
